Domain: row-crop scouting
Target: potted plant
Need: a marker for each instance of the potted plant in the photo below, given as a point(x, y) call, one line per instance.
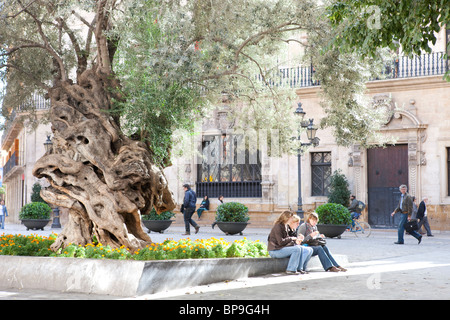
point(157, 222)
point(334, 218)
point(35, 215)
point(232, 217)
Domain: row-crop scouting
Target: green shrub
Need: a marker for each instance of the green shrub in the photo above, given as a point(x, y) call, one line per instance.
point(154, 216)
point(339, 192)
point(333, 213)
point(36, 193)
point(35, 210)
point(232, 212)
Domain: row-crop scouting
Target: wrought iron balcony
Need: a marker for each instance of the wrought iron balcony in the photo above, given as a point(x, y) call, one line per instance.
point(11, 163)
point(403, 67)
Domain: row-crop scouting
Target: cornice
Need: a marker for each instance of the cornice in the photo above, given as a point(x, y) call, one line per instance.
point(388, 85)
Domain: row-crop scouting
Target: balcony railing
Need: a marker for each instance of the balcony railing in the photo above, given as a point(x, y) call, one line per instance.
point(11, 163)
point(36, 101)
point(241, 189)
point(403, 67)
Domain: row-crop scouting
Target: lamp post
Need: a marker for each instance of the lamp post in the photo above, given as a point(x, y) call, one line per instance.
point(48, 144)
point(313, 140)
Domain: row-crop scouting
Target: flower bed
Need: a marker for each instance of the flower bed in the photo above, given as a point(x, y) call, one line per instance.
point(34, 245)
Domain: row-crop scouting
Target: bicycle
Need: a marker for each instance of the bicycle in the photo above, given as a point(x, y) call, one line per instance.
point(360, 229)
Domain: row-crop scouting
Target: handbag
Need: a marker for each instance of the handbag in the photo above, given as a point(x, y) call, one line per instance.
point(316, 242)
point(411, 225)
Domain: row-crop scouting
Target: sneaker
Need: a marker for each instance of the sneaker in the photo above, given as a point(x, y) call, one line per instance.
point(333, 269)
point(291, 272)
point(303, 272)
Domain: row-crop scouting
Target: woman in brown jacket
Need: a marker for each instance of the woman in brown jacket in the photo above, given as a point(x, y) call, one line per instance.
point(283, 242)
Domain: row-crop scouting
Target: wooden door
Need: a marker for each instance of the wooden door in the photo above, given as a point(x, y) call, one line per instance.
point(387, 169)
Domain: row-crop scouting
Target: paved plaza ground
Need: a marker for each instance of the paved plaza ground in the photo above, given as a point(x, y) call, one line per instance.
point(377, 269)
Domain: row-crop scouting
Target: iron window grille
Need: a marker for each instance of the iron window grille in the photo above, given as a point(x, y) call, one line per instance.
point(229, 167)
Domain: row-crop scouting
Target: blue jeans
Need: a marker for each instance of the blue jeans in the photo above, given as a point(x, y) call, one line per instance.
point(401, 229)
point(298, 256)
point(2, 221)
point(325, 257)
point(355, 215)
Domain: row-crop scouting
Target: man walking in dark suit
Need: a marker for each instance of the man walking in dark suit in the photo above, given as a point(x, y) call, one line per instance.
point(188, 208)
point(422, 216)
point(405, 207)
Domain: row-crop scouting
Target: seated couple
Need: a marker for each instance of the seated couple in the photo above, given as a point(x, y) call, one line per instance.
point(283, 242)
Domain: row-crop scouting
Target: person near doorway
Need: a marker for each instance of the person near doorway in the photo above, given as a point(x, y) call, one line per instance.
point(3, 214)
point(405, 208)
point(422, 216)
point(188, 209)
point(355, 208)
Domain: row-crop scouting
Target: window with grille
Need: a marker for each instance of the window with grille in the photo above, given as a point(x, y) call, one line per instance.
point(228, 168)
point(320, 173)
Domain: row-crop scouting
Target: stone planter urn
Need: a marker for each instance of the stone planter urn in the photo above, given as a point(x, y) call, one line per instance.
point(332, 230)
point(35, 224)
point(157, 225)
point(230, 228)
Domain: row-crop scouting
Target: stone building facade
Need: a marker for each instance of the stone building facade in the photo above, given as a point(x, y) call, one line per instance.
point(420, 158)
point(21, 147)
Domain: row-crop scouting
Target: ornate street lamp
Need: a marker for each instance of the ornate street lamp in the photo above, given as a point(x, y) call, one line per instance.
point(311, 131)
point(48, 144)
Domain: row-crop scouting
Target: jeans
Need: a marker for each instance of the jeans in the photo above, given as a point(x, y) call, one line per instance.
point(200, 211)
point(355, 215)
point(401, 229)
point(298, 256)
point(2, 221)
point(325, 257)
point(187, 215)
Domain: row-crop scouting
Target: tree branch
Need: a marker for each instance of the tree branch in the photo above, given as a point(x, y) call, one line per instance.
point(30, 75)
point(48, 47)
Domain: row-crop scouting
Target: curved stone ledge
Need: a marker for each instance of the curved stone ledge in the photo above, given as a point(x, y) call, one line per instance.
point(131, 278)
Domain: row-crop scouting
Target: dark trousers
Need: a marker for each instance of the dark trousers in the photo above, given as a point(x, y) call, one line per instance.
point(401, 229)
point(425, 223)
point(187, 214)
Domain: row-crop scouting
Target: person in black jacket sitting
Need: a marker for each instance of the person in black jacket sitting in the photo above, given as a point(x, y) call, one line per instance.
point(422, 216)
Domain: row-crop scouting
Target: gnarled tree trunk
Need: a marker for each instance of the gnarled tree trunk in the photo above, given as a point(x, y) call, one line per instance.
point(103, 177)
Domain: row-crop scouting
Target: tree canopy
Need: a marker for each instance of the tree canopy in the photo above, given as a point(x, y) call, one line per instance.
point(363, 26)
point(175, 58)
